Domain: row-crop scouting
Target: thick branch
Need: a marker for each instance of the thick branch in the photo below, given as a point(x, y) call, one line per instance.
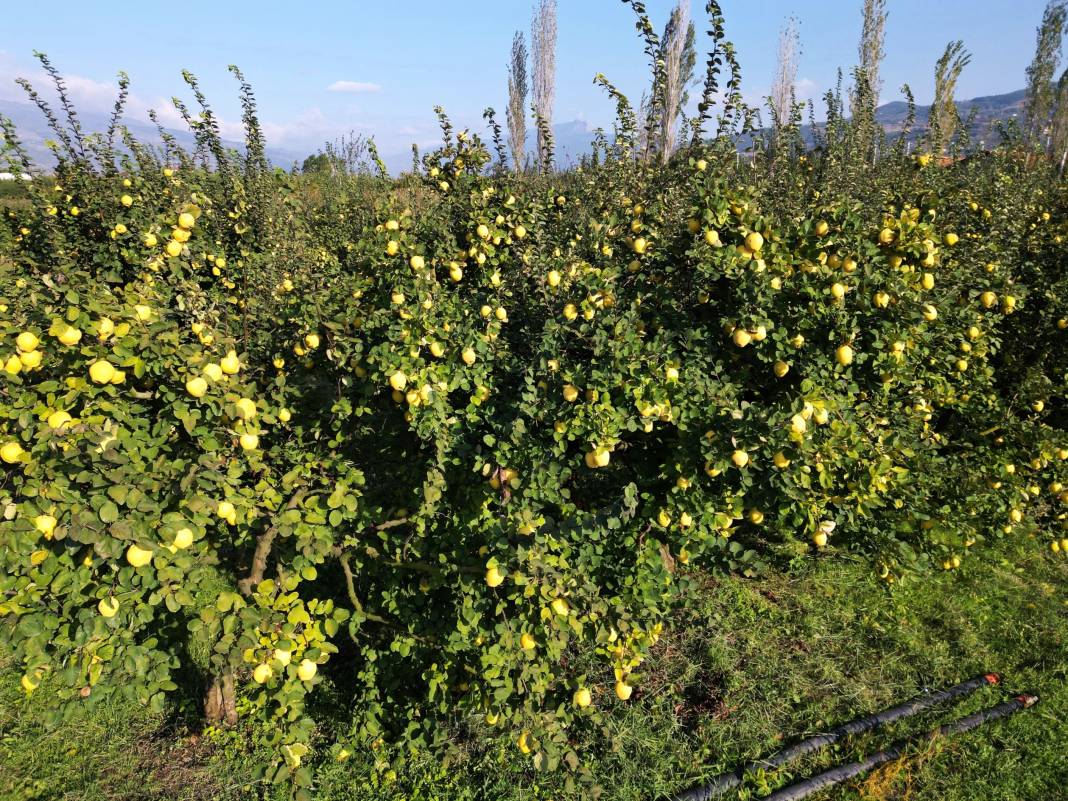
point(263, 548)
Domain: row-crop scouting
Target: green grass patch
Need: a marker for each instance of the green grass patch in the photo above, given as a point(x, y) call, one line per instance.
point(750, 666)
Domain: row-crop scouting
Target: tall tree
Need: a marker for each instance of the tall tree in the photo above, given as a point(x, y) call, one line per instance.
point(676, 34)
point(517, 101)
point(1059, 127)
point(1040, 73)
point(864, 97)
point(871, 49)
point(316, 163)
point(782, 90)
point(673, 58)
point(942, 122)
point(543, 56)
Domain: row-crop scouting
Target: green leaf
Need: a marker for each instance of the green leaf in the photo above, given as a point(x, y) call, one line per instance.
point(108, 512)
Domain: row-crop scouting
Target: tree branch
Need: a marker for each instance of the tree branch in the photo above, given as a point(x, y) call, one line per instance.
point(263, 548)
point(350, 586)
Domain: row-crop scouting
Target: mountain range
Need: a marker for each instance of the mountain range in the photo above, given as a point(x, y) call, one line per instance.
point(33, 131)
point(573, 139)
point(986, 111)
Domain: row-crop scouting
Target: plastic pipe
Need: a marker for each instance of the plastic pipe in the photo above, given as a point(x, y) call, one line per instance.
point(796, 792)
point(727, 781)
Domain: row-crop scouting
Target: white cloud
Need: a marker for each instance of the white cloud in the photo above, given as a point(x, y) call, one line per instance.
point(306, 130)
point(310, 127)
point(92, 94)
point(353, 86)
point(806, 89)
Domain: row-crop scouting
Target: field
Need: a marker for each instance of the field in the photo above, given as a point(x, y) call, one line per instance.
point(483, 482)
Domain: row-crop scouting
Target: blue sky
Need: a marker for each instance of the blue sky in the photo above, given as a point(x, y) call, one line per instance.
point(402, 58)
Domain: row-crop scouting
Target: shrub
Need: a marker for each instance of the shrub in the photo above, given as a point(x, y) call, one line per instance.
point(429, 440)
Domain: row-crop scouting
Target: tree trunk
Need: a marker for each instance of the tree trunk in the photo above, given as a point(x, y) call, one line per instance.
point(219, 703)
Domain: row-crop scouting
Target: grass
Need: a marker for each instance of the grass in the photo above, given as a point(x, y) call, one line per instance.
point(114, 753)
point(750, 666)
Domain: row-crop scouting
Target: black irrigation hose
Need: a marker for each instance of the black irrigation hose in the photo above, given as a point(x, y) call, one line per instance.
point(727, 781)
point(796, 792)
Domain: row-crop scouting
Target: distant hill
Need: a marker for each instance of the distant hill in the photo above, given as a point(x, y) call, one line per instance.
point(892, 116)
point(34, 132)
point(573, 139)
point(987, 109)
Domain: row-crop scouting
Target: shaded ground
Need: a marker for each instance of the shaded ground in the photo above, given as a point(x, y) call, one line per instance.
point(753, 663)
